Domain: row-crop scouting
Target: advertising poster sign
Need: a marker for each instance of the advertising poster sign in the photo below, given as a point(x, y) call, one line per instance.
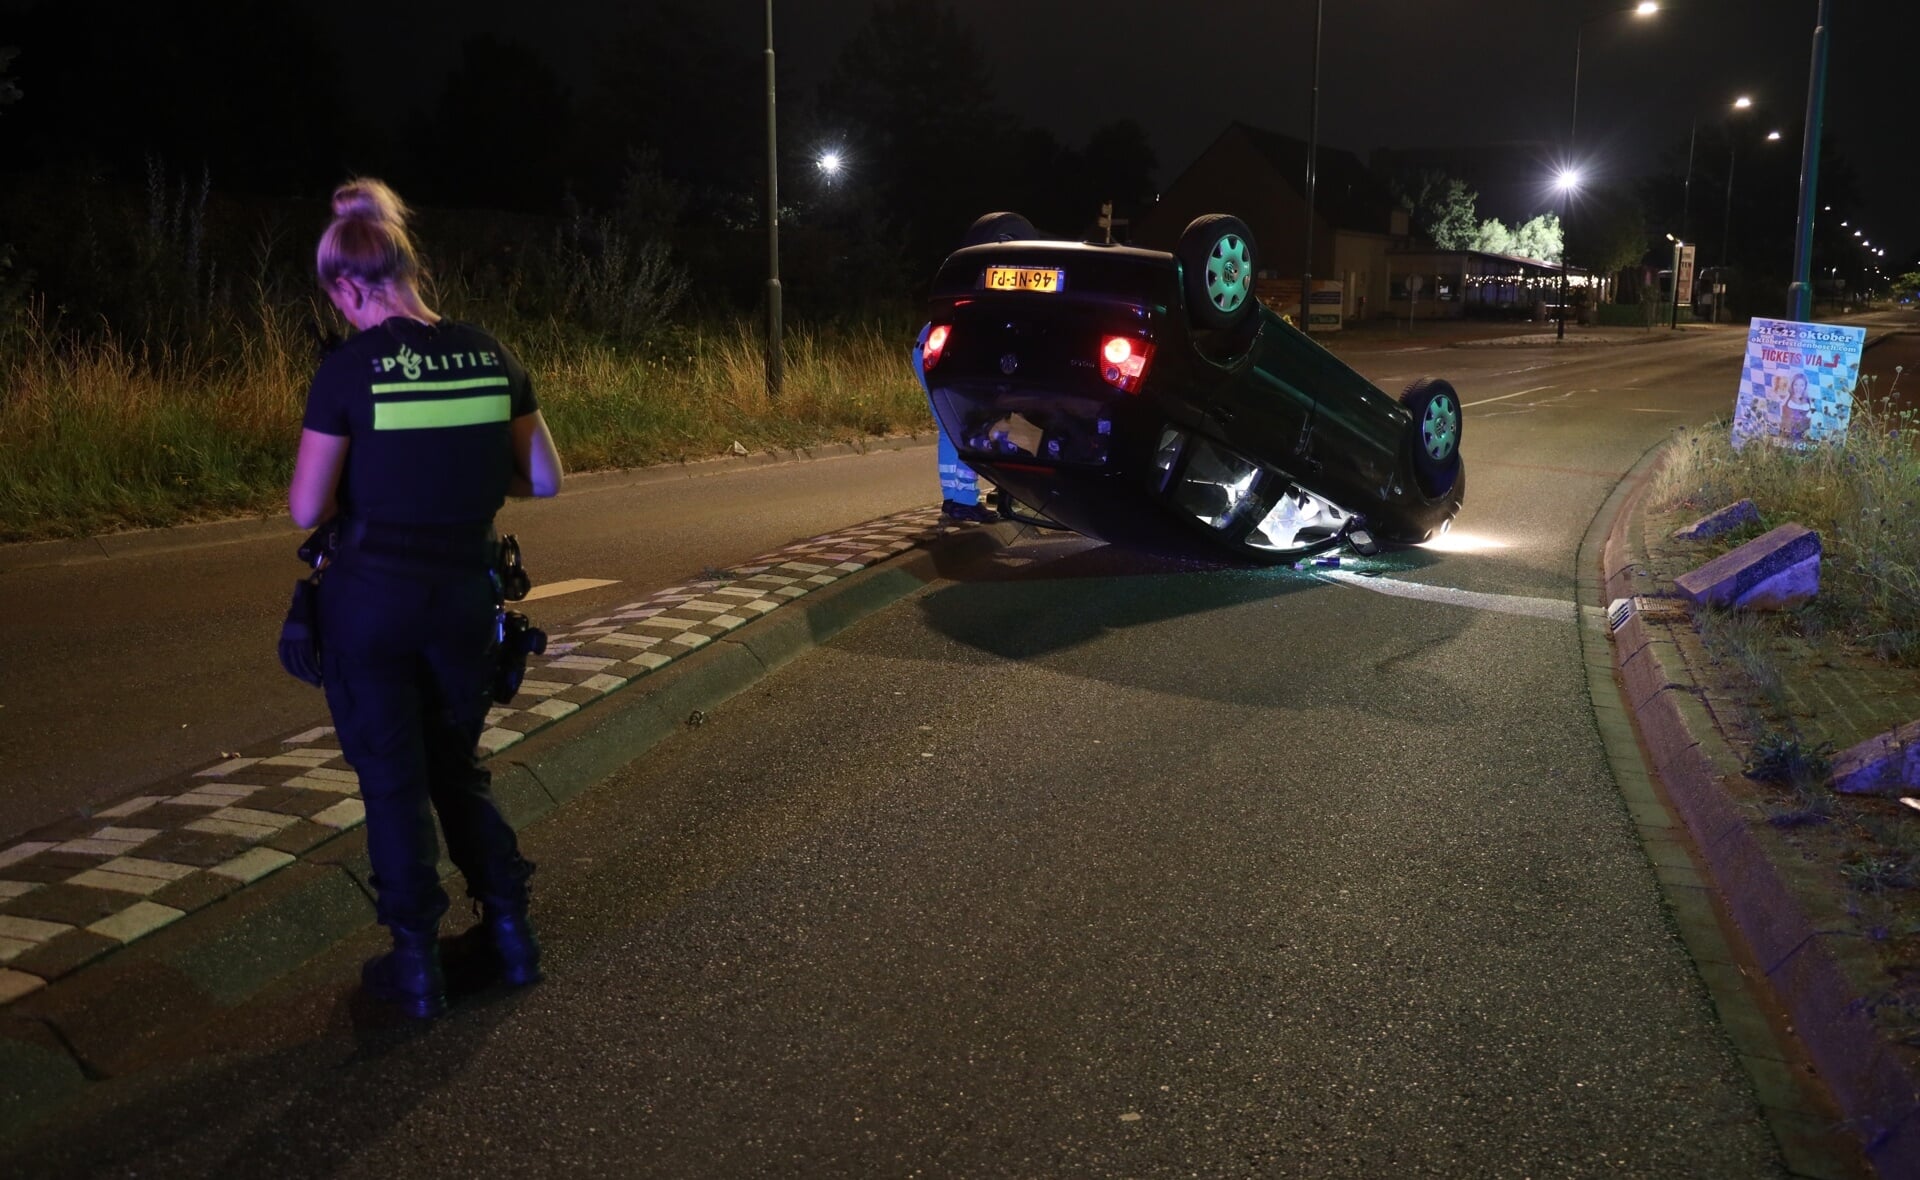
point(1684, 278)
point(1797, 387)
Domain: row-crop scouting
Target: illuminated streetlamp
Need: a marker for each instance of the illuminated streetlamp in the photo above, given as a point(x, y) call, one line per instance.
point(1566, 182)
point(1726, 219)
point(1644, 9)
point(830, 164)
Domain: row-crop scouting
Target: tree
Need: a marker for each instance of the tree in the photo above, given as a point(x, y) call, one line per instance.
point(1539, 238)
point(1494, 237)
point(1455, 228)
point(913, 89)
point(1441, 207)
point(1118, 166)
point(670, 83)
point(1907, 286)
point(1607, 233)
point(500, 94)
point(9, 92)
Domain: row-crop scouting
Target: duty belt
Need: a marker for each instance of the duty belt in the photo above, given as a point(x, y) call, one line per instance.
point(472, 545)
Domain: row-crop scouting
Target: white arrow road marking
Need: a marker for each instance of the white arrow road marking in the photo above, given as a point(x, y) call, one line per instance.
point(570, 586)
point(1503, 397)
point(1506, 604)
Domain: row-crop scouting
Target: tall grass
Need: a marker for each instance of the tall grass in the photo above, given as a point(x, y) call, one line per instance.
point(1862, 496)
point(100, 433)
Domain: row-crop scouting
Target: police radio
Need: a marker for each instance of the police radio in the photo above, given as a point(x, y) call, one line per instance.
point(514, 635)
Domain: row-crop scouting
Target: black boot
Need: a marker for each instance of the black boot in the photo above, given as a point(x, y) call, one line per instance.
point(409, 976)
point(503, 939)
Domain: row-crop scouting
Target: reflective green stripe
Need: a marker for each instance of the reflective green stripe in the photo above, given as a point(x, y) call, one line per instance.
point(456, 411)
point(437, 386)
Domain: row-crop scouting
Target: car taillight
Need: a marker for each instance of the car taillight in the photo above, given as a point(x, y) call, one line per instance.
point(1124, 360)
point(936, 343)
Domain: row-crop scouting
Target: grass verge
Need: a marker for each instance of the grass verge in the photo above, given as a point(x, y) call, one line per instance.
point(97, 436)
point(1790, 688)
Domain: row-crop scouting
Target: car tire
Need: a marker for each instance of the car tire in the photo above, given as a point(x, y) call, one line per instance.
point(1437, 422)
point(1219, 260)
point(999, 227)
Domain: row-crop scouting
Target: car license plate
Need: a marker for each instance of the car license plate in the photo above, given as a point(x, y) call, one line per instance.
point(1024, 278)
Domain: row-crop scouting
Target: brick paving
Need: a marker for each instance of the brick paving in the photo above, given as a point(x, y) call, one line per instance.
point(87, 885)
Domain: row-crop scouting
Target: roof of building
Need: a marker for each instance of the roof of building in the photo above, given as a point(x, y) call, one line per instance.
point(1345, 191)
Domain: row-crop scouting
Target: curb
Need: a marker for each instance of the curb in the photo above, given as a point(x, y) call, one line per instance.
point(1816, 974)
point(114, 1015)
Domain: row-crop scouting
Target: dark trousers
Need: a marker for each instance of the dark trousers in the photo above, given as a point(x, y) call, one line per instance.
point(406, 663)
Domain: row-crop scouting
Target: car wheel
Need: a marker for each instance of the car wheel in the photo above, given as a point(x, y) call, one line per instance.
point(999, 227)
point(1437, 419)
point(1218, 258)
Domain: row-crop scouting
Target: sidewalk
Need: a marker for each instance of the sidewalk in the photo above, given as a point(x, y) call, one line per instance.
point(1390, 335)
point(254, 863)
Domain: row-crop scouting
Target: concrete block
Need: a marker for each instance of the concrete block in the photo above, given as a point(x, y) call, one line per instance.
point(1888, 762)
point(1777, 569)
point(1723, 521)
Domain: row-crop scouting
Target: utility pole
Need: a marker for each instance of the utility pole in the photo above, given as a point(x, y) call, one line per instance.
point(1800, 292)
point(775, 367)
point(1313, 152)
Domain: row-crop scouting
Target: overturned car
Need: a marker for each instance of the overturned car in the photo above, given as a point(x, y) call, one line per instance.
point(1147, 398)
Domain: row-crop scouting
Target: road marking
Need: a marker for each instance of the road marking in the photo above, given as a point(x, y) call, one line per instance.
point(570, 586)
point(1503, 397)
point(1643, 410)
point(1506, 604)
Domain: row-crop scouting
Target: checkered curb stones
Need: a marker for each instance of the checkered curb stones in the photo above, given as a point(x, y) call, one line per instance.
point(77, 889)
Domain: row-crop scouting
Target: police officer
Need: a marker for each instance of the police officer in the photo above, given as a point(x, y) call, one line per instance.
point(416, 428)
point(959, 484)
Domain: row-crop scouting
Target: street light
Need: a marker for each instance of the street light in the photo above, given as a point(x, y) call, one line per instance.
point(1726, 221)
point(1566, 182)
point(1569, 178)
point(775, 364)
point(829, 163)
point(1679, 252)
point(1644, 9)
point(1799, 292)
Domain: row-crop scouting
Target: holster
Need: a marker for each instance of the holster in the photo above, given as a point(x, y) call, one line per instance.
point(300, 632)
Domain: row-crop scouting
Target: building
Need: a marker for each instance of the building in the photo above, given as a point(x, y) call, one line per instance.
point(1260, 177)
point(1448, 284)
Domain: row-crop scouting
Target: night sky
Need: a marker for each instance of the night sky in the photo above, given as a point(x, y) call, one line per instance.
point(1396, 73)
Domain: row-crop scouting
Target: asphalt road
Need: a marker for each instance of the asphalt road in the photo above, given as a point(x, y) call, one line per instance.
point(1084, 865)
point(119, 673)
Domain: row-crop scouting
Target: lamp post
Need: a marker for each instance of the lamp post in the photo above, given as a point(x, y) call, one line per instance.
point(1679, 250)
point(1313, 151)
point(775, 366)
point(1726, 219)
point(1569, 178)
point(1567, 182)
point(1643, 9)
point(1800, 291)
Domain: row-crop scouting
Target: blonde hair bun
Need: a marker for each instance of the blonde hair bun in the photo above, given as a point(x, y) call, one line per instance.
point(367, 238)
point(366, 199)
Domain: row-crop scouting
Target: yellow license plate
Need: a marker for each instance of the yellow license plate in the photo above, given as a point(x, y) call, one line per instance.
point(1023, 278)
